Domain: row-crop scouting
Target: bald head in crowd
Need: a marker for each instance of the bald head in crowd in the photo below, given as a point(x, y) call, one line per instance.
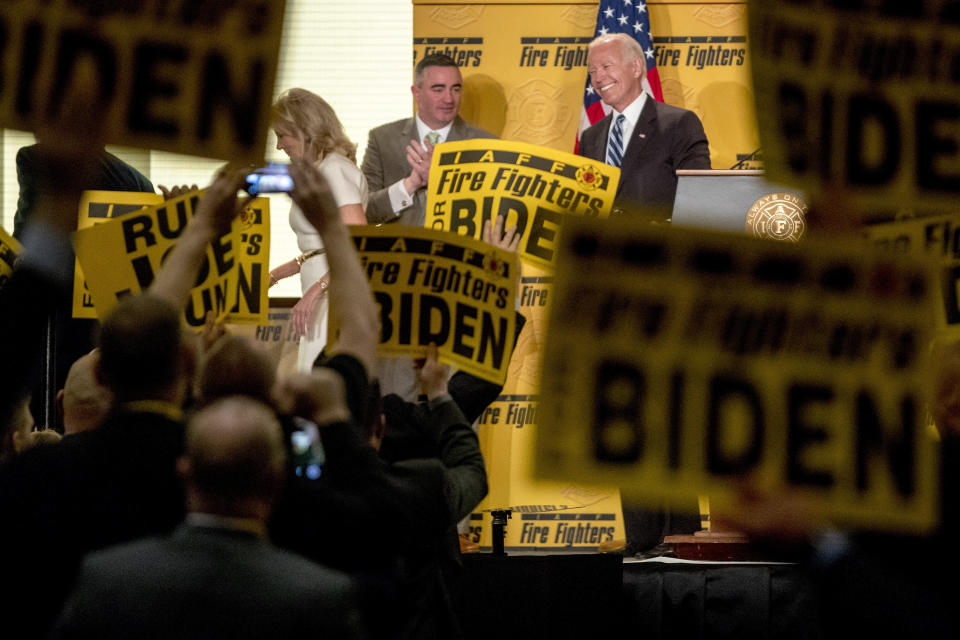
point(83, 401)
point(234, 460)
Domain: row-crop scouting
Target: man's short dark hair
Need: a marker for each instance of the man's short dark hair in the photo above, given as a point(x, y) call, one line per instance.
point(140, 347)
point(233, 366)
point(432, 60)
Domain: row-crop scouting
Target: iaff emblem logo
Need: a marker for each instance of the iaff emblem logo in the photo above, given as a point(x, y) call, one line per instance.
point(493, 265)
point(250, 217)
point(778, 216)
point(588, 176)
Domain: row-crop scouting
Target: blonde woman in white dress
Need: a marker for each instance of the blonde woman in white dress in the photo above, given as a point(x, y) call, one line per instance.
point(307, 128)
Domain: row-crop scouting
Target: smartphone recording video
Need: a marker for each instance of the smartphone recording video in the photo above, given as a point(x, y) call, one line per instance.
point(273, 178)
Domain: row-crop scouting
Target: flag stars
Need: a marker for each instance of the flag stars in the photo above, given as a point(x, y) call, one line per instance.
point(627, 3)
point(641, 7)
point(624, 20)
point(608, 12)
point(649, 53)
point(637, 27)
point(604, 31)
point(590, 90)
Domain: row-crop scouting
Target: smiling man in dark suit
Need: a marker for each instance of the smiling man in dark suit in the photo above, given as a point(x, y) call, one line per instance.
point(647, 139)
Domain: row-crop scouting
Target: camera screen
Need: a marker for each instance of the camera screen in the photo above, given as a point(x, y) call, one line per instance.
point(268, 183)
point(306, 449)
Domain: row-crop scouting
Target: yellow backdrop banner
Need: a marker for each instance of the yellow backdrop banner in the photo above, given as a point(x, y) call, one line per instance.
point(525, 68)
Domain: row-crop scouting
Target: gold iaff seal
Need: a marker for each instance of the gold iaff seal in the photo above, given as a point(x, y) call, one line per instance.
point(589, 177)
point(778, 216)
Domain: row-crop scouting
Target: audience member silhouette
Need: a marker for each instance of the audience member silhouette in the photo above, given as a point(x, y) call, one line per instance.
point(216, 575)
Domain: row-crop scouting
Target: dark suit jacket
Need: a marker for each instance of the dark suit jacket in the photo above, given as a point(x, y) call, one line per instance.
point(436, 493)
point(889, 585)
point(207, 582)
point(25, 300)
point(72, 337)
point(113, 174)
point(385, 162)
point(91, 490)
point(409, 429)
point(340, 520)
point(665, 139)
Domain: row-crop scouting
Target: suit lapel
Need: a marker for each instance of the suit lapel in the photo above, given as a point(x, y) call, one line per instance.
point(600, 148)
point(639, 138)
point(457, 130)
point(408, 134)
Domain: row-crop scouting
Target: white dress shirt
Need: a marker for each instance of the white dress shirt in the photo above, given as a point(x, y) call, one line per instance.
point(399, 198)
point(632, 114)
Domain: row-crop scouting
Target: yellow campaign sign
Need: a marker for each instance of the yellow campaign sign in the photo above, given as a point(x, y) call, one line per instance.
point(939, 238)
point(862, 98)
point(121, 257)
point(433, 286)
point(194, 78)
point(97, 207)
point(472, 181)
point(9, 250)
point(678, 362)
point(253, 260)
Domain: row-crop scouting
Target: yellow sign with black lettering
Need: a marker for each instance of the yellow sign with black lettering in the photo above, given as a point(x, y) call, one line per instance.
point(97, 207)
point(861, 97)
point(939, 238)
point(253, 264)
point(473, 181)
point(121, 257)
point(181, 76)
point(434, 286)
point(679, 362)
point(9, 250)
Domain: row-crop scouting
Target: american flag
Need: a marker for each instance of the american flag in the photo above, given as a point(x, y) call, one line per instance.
point(633, 18)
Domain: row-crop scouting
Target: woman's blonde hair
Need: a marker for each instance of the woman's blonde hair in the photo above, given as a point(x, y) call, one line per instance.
point(308, 115)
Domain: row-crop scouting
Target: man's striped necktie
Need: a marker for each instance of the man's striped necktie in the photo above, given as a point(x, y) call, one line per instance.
point(615, 146)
